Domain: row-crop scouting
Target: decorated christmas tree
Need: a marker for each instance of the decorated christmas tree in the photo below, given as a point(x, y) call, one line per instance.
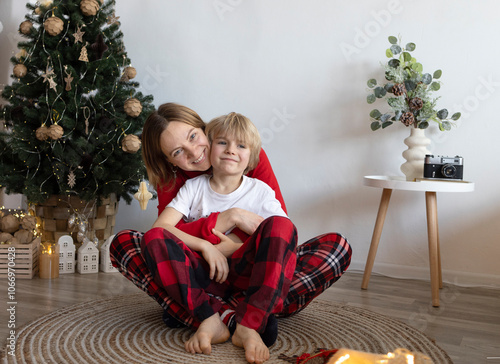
point(73, 118)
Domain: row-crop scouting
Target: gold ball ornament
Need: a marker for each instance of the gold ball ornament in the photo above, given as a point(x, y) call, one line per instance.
point(5, 238)
point(133, 107)
point(53, 25)
point(28, 222)
point(129, 73)
point(23, 236)
point(89, 7)
point(46, 3)
point(42, 133)
point(55, 132)
point(131, 143)
point(20, 70)
point(21, 54)
point(10, 224)
point(26, 27)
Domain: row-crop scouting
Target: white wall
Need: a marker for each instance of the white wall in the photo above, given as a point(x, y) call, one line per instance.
point(298, 69)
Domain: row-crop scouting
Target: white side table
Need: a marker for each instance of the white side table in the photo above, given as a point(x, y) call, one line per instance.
point(430, 187)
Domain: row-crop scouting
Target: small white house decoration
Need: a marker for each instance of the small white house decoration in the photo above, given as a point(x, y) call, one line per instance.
point(67, 254)
point(106, 265)
point(88, 258)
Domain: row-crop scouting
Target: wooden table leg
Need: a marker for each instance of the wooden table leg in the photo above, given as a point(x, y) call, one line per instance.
point(439, 253)
point(377, 232)
point(432, 232)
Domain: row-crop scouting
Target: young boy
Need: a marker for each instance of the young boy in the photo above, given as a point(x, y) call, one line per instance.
point(235, 146)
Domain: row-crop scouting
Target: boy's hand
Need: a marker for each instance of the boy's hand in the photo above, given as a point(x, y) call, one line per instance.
point(228, 245)
point(219, 269)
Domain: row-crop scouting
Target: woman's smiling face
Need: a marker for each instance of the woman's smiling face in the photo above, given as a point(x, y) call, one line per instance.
point(186, 147)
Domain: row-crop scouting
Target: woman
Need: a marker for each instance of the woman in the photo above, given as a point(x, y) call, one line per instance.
point(175, 149)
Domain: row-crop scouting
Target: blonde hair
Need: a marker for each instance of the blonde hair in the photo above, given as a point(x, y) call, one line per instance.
point(158, 168)
point(239, 127)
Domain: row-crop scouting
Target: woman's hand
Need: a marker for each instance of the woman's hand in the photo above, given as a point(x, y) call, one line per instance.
point(219, 269)
point(228, 243)
point(245, 220)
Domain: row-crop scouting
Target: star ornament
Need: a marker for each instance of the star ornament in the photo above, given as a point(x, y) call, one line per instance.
point(143, 195)
point(53, 84)
point(47, 76)
point(78, 35)
point(113, 19)
point(99, 47)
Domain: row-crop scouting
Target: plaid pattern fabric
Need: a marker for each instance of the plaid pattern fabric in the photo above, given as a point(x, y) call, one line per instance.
point(262, 268)
point(320, 262)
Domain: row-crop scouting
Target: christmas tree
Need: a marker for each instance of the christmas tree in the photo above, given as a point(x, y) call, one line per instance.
point(73, 118)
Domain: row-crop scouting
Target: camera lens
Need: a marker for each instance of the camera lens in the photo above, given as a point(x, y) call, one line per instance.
point(448, 170)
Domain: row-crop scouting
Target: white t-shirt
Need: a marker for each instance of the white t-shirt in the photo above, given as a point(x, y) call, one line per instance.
point(196, 199)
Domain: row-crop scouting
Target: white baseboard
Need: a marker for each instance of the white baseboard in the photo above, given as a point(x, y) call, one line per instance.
point(458, 278)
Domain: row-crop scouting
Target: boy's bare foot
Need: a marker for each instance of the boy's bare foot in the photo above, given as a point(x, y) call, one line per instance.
point(211, 331)
point(255, 349)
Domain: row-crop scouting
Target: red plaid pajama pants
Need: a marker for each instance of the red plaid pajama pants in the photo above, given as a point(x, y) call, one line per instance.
point(321, 261)
point(260, 273)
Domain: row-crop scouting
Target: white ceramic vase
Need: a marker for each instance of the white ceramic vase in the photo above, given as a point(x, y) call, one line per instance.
point(417, 144)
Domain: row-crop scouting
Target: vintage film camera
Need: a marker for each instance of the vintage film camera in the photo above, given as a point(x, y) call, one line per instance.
point(443, 167)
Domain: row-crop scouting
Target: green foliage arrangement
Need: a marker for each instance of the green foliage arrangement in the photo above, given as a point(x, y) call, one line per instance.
point(73, 120)
point(408, 92)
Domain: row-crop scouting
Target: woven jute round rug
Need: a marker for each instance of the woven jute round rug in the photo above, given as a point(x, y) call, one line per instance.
point(129, 329)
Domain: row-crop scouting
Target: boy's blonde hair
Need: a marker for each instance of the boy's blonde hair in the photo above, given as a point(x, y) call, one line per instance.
point(240, 128)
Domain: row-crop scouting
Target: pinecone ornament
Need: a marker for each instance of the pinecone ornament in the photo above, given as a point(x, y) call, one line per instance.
point(407, 118)
point(399, 89)
point(416, 103)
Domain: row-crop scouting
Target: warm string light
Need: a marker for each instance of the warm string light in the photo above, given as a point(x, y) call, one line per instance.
point(20, 214)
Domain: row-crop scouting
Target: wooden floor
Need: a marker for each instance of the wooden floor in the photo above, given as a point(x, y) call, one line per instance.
point(467, 325)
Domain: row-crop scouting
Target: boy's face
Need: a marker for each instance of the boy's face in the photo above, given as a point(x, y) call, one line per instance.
point(229, 156)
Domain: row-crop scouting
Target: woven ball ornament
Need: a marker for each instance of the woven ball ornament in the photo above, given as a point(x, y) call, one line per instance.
point(131, 143)
point(28, 222)
point(20, 70)
point(5, 238)
point(10, 224)
point(129, 73)
point(23, 236)
point(89, 7)
point(25, 27)
point(53, 25)
point(55, 132)
point(133, 107)
point(42, 133)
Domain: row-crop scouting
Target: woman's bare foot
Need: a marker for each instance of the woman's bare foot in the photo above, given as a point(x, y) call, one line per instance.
point(255, 349)
point(211, 331)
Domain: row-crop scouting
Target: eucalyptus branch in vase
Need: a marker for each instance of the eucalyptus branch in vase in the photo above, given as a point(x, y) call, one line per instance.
point(408, 92)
